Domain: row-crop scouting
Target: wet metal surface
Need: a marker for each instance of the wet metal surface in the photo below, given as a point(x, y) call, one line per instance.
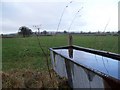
point(102, 64)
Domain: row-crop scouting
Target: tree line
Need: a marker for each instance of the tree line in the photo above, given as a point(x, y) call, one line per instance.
point(25, 32)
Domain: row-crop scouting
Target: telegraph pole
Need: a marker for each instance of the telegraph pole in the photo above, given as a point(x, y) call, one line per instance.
point(38, 27)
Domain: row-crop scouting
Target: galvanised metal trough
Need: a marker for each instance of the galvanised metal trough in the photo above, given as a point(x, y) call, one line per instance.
point(88, 68)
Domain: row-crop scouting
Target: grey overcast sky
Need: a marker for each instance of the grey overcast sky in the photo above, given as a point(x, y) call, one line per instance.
point(94, 16)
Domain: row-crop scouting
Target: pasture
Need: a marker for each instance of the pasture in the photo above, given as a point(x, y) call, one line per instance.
point(24, 64)
point(25, 53)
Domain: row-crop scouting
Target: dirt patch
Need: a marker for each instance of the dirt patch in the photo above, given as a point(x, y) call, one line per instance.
point(32, 79)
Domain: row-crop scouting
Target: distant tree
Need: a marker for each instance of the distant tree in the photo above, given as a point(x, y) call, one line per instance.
point(65, 31)
point(25, 31)
point(89, 32)
point(108, 32)
point(119, 32)
point(98, 32)
point(1, 34)
point(81, 32)
point(45, 32)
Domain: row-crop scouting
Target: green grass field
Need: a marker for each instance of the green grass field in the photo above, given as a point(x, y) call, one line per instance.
point(25, 53)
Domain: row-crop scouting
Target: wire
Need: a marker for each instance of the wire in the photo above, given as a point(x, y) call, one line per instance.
point(104, 65)
point(102, 48)
point(62, 16)
point(46, 56)
point(58, 26)
point(106, 24)
point(74, 18)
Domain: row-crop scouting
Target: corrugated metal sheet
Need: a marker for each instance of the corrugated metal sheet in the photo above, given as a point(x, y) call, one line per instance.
point(58, 64)
point(77, 76)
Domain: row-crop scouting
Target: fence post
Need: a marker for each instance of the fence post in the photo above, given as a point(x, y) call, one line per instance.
point(70, 49)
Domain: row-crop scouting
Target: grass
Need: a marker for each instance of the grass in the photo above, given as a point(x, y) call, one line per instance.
point(24, 64)
point(24, 53)
point(106, 43)
point(21, 53)
point(33, 79)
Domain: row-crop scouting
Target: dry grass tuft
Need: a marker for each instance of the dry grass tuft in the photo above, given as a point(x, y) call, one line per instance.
point(32, 79)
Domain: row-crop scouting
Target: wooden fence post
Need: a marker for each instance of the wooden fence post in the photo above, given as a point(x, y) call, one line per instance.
point(70, 49)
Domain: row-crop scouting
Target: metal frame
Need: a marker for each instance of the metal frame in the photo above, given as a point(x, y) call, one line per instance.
point(94, 51)
point(98, 52)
